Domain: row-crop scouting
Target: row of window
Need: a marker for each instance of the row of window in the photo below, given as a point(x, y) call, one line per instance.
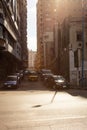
point(3, 34)
point(18, 50)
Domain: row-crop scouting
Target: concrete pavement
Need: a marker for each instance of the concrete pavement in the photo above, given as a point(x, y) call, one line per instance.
point(32, 107)
point(33, 110)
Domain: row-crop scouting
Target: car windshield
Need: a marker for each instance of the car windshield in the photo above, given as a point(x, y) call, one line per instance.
point(11, 78)
point(46, 72)
point(33, 73)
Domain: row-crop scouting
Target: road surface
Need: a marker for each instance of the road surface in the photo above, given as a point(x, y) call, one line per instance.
point(34, 107)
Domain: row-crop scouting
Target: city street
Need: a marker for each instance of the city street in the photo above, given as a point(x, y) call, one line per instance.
point(33, 107)
point(43, 65)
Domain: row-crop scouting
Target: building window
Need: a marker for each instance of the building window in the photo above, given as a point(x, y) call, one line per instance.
point(79, 36)
point(11, 41)
point(7, 1)
point(1, 32)
point(86, 45)
point(46, 37)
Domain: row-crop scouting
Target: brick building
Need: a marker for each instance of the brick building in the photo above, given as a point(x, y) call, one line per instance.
point(45, 33)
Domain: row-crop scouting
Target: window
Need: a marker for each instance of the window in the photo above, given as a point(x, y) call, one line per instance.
point(79, 36)
point(0, 4)
point(7, 1)
point(46, 36)
point(1, 32)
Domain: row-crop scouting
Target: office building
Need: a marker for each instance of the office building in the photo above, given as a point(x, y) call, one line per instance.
point(13, 43)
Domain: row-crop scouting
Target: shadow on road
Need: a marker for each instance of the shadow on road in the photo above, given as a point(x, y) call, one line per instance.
point(39, 105)
point(28, 85)
point(74, 92)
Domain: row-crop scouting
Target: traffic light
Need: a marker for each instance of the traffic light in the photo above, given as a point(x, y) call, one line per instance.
point(76, 64)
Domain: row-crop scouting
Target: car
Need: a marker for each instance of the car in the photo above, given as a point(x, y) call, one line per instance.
point(18, 76)
point(21, 74)
point(26, 74)
point(48, 75)
point(44, 73)
point(33, 76)
point(57, 82)
point(11, 82)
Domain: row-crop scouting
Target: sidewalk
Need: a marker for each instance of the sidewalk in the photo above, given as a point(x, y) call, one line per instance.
point(78, 87)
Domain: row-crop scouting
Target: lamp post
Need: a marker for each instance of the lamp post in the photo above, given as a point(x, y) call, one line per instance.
point(82, 41)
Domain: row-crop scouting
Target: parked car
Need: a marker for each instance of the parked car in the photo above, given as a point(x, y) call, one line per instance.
point(57, 82)
point(18, 74)
point(44, 73)
point(21, 74)
point(11, 82)
point(26, 74)
point(48, 75)
point(33, 76)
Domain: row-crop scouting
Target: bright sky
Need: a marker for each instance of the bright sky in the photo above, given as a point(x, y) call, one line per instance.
point(31, 25)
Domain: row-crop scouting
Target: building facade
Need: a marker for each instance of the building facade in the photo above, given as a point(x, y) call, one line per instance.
point(32, 60)
point(62, 37)
point(45, 33)
point(71, 37)
point(11, 34)
point(23, 32)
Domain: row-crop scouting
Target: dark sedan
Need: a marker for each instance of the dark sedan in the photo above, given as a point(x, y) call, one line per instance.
point(45, 73)
point(57, 82)
point(11, 82)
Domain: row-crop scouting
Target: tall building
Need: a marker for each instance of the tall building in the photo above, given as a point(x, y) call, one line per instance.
point(23, 32)
point(32, 59)
point(61, 33)
point(13, 43)
point(72, 35)
point(45, 33)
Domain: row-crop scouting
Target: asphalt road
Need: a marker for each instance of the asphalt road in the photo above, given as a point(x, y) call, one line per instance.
point(34, 107)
